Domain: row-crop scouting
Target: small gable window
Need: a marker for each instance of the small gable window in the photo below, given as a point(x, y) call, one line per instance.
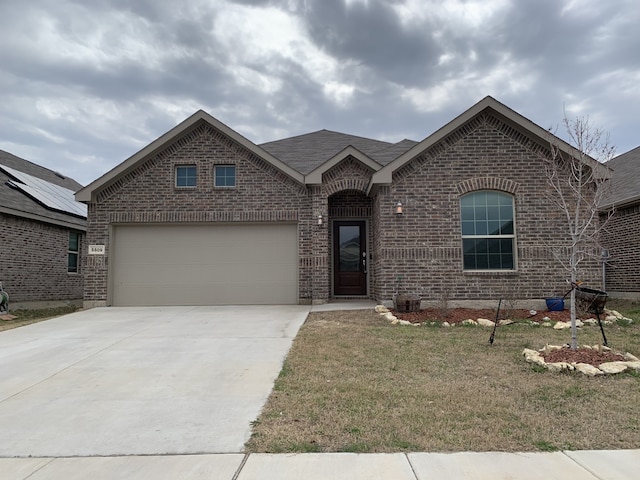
point(225, 176)
point(73, 252)
point(186, 176)
point(488, 235)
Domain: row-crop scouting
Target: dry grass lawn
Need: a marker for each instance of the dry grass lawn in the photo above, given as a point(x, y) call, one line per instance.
point(353, 382)
point(27, 317)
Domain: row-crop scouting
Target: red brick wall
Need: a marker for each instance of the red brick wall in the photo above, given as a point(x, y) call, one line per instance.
point(33, 261)
point(622, 239)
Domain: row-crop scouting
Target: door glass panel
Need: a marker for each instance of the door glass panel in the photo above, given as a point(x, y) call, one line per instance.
point(349, 237)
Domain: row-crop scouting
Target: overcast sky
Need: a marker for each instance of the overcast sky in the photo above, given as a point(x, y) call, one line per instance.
point(85, 84)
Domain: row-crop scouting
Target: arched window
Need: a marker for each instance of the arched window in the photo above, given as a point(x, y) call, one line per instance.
point(488, 234)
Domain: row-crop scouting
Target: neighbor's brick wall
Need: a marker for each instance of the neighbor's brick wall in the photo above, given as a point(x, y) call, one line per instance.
point(622, 238)
point(33, 261)
point(424, 244)
point(148, 195)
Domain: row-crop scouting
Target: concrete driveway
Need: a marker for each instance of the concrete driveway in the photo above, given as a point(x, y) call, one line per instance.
point(127, 381)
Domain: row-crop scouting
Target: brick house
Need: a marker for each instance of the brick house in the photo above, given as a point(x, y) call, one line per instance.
point(42, 232)
point(204, 216)
point(622, 238)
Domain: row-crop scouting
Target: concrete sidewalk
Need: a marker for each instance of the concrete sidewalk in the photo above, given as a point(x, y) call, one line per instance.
point(575, 465)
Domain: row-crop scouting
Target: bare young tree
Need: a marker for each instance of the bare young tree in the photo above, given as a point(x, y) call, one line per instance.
point(577, 183)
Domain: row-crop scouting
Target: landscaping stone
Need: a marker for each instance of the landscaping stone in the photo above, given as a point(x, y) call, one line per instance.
point(483, 322)
point(587, 369)
point(631, 358)
point(561, 325)
point(613, 367)
point(381, 309)
point(560, 366)
point(469, 322)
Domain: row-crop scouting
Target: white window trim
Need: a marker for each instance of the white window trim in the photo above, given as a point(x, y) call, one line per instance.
point(511, 236)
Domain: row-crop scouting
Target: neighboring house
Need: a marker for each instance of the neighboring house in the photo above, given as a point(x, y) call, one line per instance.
point(42, 230)
point(204, 216)
point(622, 239)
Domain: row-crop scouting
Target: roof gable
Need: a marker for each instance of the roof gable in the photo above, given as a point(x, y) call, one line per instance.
point(88, 193)
point(522, 124)
point(315, 177)
point(625, 187)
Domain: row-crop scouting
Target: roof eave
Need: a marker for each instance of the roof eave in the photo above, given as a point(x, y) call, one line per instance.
point(41, 218)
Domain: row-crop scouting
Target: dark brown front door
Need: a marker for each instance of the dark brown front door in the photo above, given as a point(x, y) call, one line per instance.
point(349, 258)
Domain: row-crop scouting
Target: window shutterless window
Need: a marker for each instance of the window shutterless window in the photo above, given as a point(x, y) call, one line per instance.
point(488, 235)
point(73, 252)
point(225, 176)
point(186, 176)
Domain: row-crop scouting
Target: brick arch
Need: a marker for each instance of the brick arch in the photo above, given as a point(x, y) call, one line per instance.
point(346, 184)
point(487, 183)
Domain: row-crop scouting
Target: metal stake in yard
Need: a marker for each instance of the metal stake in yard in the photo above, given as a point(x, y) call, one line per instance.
point(495, 324)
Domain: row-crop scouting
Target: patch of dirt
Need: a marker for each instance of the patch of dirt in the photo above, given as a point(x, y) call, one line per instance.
point(581, 355)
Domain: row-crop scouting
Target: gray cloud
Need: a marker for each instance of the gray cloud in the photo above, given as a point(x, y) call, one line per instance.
point(84, 85)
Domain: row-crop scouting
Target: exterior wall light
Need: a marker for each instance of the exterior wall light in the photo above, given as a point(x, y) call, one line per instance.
point(320, 220)
point(398, 208)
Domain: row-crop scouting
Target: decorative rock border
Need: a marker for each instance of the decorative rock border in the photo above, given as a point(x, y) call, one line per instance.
point(535, 356)
point(607, 368)
point(611, 317)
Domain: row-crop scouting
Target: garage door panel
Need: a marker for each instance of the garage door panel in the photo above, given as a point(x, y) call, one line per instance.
point(204, 265)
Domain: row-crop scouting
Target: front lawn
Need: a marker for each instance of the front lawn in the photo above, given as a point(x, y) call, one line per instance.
point(353, 382)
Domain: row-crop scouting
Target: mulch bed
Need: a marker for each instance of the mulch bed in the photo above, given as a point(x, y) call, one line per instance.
point(582, 355)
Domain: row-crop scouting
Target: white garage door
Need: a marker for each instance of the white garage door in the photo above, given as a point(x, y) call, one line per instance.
point(204, 265)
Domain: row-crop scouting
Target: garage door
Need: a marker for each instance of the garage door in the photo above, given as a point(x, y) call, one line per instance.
point(204, 265)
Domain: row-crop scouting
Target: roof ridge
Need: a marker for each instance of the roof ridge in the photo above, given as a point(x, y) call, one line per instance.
point(58, 174)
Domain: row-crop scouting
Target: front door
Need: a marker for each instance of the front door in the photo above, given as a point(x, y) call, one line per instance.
point(349, 258)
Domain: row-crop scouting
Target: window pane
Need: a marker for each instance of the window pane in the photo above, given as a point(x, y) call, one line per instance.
point(225, 176)
point(468, 228)
point(186, 176)
point(470, 262)
point(72, 262)
point(493, 198)
point(493, 228)
point(467, 213)
point(349, 238)
point(488, 253)
point(506, 245)
point(506, 228)
point(73, 241)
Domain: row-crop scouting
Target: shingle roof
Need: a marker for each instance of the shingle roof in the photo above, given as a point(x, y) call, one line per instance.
point(307, 152)
point(20, 204)
point(625, 181)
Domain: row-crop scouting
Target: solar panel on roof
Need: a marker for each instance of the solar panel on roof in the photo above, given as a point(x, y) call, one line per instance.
point(48, 194)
